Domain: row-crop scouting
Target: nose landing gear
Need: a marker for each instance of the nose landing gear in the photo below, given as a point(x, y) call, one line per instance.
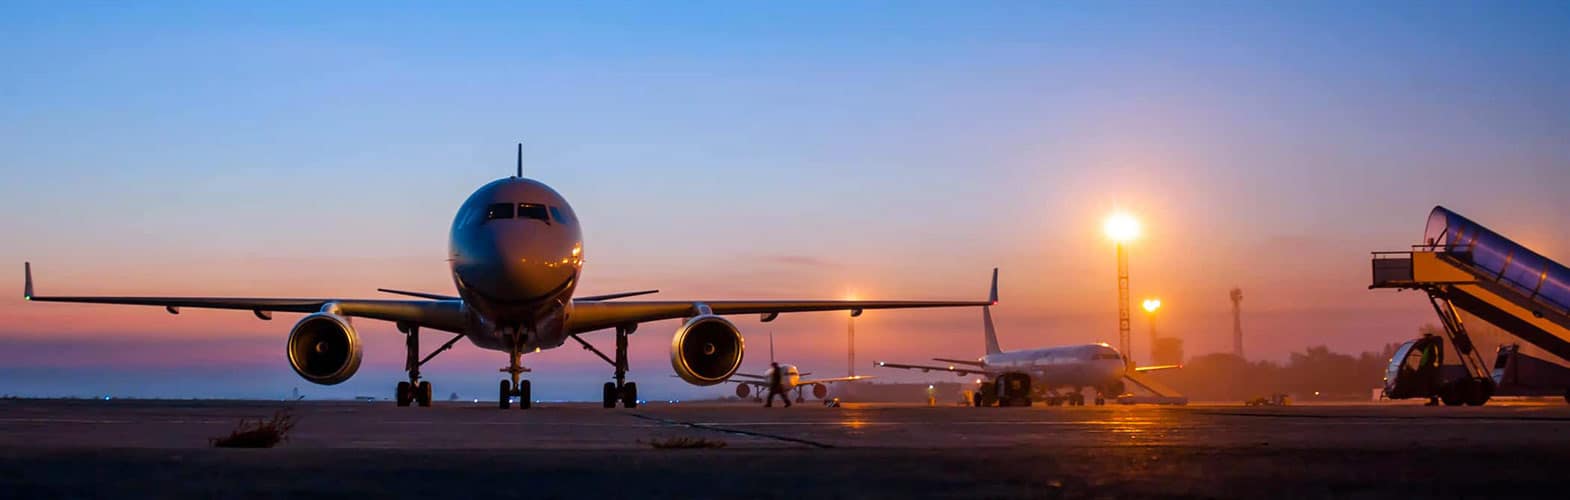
point(516, 386)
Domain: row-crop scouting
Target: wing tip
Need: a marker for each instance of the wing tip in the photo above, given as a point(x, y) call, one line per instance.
point(27, 284)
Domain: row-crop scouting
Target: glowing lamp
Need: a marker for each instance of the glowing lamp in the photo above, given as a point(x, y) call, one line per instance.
point(1151, 305)
point(1121, 227)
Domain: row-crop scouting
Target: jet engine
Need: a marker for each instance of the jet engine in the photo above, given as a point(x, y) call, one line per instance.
point(706, 350)
point(324, 349)
point(820, 391)
point(743, 390)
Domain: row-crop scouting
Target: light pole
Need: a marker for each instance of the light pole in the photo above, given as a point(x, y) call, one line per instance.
point(1122, 229)
point(1151, 305)
point(850, 338)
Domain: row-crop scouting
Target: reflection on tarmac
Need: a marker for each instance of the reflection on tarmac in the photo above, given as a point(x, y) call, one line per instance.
point(124, 449)
point(176, 424)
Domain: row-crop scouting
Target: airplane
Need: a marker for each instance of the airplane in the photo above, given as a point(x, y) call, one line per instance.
point(1012, 375)
point(758, 385)
point(516, 253)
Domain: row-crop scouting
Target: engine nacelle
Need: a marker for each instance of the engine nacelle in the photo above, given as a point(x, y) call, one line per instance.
point(324, 349)
point(706, 350)
point(820, 391)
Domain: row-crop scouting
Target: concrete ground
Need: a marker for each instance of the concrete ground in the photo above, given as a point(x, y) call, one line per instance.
point(119, 449)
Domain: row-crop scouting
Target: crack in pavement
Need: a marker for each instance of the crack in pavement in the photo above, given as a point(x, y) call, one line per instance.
point(693, 425)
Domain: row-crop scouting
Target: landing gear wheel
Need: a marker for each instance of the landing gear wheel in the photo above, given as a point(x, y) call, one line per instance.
point(629, 395)
point(422, 394)
point(610, 395)
point(525, 399)
point(505, 401)
point(405, 394)
point(1101, 401)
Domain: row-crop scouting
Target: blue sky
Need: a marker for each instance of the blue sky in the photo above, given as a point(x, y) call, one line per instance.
point(895, 149)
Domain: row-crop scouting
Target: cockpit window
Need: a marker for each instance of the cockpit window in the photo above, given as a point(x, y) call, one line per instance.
point(560, 215)
point(498, 211)
point(533, 211)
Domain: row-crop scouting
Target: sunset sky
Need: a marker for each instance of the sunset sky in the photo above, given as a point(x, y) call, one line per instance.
point(756, 150)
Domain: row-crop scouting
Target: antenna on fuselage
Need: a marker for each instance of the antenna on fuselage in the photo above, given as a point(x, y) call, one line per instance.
point(520, 160)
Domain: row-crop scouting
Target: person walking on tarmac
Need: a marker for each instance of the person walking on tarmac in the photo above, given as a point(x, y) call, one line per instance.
point(776, 386)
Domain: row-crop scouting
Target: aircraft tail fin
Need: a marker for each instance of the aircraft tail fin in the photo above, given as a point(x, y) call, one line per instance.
point(991, 332)
point(993, 297)
point(27, 286)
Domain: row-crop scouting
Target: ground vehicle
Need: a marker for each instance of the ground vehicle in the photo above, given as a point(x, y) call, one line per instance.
point(1417, 370)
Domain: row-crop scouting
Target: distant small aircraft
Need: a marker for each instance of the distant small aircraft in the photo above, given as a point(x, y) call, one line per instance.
point(1037, 373)
point(758, 385)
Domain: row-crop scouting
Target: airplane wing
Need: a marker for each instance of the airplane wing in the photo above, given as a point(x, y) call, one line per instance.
point(445, 315)
point(970, 362)
point(748, 375)
point(597, 315)
point(833, 380)
point(961, 371)
point(1142, 369)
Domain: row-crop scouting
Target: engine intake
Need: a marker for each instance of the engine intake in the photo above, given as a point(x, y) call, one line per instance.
point(324, 349)
point(706, 350)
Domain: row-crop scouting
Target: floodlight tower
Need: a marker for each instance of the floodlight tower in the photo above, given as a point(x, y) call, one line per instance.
point(1151, 305)
point(1122, 229)
point(850, 338)
point(1237, 322)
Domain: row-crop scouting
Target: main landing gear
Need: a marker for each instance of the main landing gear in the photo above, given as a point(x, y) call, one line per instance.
point(516, 386)
point(415, 390)
point(620, 390)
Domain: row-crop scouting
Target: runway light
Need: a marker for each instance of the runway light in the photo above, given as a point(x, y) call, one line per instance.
point(1151, 305)
point(1121, 227)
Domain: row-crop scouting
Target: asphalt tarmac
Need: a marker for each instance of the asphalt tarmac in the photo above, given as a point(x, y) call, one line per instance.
point(130, 449)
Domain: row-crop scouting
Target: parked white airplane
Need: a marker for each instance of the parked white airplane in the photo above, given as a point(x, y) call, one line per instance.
point(516, 253)
point(1013, 375)
point(791, 378)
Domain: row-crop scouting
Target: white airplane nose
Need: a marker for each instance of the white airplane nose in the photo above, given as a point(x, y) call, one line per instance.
point(522, 266)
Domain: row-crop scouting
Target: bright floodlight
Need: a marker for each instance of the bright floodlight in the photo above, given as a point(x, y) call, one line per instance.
point(1121, 227)
point(1152, 304)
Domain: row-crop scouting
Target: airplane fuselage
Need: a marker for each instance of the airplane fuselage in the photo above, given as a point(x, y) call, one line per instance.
point(1073, 366)
point(516, 253)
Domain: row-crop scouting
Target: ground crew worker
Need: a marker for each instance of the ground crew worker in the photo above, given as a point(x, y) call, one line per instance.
point(776, 386)
point(1428, 368)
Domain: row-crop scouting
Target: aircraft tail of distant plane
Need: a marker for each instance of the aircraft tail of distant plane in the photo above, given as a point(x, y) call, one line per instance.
point(27, 288)
point(991, 332)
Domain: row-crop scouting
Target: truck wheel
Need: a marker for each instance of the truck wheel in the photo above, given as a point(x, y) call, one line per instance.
point(1450, 394)
point(1480, 391)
